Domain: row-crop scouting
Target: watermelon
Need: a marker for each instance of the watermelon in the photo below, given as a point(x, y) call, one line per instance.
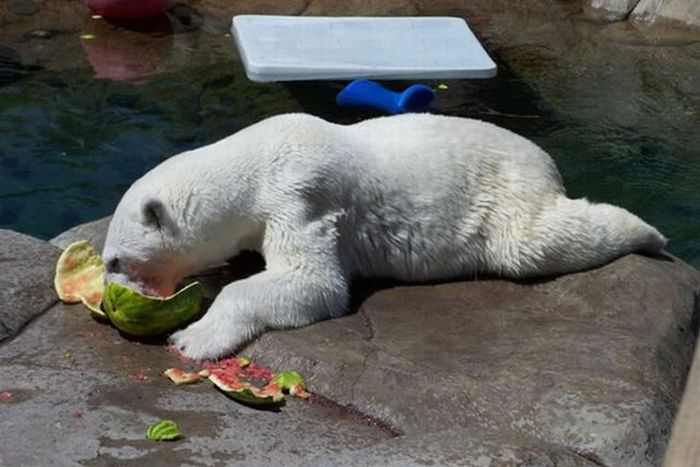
point(79, 277)
point(164, 430)
point(179, 376)
point(297, 390)
point(287, 379)
point(292, 382)
point(141, 315)
point(246, 393)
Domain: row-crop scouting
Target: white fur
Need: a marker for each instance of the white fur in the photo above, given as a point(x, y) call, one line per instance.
point(412, 197)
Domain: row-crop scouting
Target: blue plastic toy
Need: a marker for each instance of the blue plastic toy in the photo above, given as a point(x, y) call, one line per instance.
point(369, 93)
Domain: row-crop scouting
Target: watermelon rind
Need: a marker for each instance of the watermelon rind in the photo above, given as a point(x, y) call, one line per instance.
point(164, 430)
point(96, 310)
point(249, 394)
point(80, 275)
point(141, 315)
point(178, 376)
point(288, 379)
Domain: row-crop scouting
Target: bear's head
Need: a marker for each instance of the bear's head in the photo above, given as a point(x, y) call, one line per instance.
point(163, 231)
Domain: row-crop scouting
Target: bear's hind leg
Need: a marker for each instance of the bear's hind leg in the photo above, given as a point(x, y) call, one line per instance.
point(574, 235)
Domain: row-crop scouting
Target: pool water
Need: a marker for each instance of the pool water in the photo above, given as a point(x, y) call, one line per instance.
point(73, 138)
point(70, 145)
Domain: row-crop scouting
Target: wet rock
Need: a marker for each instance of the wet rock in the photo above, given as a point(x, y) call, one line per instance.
point(682, 11)
point(26, 280)
point(223, 8)
point(184, 18)
point(23, 7)
point(217, 14)
point(361, 7)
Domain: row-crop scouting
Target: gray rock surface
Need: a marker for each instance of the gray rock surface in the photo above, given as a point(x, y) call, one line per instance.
point(682, 11)
point(612, 10)
point(93, 231)
point(26, 280)
point(81, 393)
point(683, 448)
point(584, 369)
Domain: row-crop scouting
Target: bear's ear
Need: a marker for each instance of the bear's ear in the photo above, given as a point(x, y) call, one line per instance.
point(154, 213)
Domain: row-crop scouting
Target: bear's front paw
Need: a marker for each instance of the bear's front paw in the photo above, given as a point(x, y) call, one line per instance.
point(202, 342)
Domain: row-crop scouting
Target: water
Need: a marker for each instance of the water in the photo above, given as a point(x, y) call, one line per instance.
point(71, 143)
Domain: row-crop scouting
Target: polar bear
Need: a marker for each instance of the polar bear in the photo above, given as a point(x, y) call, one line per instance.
point(414, 197)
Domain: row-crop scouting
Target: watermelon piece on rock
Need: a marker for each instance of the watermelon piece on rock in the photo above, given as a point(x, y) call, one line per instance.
point(79, 277)
point(164, 430)
point(141, 315)
point(179, 376)
point(246, 393)
point(292, 382)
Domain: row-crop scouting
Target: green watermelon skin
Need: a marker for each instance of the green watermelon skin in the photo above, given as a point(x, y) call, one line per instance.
point(164, 430)
point(269, 396)
point(144, 316)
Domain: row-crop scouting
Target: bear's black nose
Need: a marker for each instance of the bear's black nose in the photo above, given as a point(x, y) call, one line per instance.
point(113, 265)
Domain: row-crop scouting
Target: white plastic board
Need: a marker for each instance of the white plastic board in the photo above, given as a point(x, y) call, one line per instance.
point(291, 48)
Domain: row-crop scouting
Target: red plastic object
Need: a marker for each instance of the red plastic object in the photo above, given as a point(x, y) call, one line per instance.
point(128, 9)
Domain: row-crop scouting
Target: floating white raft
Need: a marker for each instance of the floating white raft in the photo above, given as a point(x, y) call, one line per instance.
point(292, 48)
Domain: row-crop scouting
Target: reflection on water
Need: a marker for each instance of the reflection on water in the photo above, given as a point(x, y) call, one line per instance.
point(73, 137)
point(119, 53)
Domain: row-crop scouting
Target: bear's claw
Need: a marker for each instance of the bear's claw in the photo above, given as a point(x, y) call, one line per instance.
point(201, 342)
